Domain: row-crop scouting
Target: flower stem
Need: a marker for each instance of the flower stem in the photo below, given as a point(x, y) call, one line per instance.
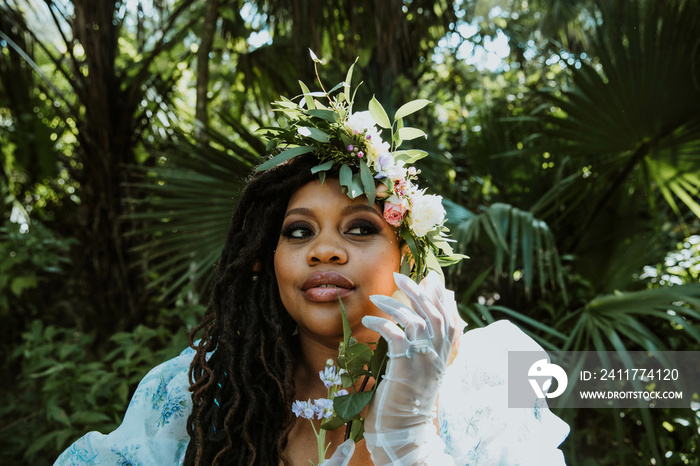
point(348, 427)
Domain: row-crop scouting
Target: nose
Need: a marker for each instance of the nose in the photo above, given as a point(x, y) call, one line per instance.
point(327, 248)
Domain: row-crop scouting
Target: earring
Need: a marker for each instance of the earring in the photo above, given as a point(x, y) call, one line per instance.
point(255, 277)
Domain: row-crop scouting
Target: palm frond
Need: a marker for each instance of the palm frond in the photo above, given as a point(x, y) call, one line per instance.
point(185, 206)
point(516, 236)
point(635, 107)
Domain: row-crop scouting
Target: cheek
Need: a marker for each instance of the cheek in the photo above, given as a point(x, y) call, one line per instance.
point(385, 264)
point(283, 272)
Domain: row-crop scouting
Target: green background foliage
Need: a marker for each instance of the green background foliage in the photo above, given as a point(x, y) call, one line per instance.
point(564, 136)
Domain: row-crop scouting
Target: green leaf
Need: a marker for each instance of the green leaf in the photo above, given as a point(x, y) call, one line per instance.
point(328, 115)
point(349, 406)
point(307, 96)
point(407, 133)
point(410, 107)
point(356, 186)
point(322, 167)
point(410, 156)
point(357, 431)
point(346, 85)
point(378, 113)
point(347, 331)
point(370, 189)
point(345, 178)
point(333, 423)
point(357, 356)
point(318, 135)
point(377, 364)
point(19, 284)
point(284, 156)
point(271, 144)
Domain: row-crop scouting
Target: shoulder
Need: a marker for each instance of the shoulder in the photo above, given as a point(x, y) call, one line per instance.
point(475, 421)
point(154, 427)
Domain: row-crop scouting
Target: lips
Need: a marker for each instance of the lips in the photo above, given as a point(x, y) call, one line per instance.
point(325, 287)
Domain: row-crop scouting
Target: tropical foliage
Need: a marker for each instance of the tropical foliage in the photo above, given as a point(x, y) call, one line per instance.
point(565, 134)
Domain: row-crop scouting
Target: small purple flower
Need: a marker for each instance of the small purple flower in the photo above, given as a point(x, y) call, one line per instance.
point(303, 409)
point(360, 154)
point(341, 392)
point(323, 408)
point(369, 136)
point(330, 377)
point(350, 147)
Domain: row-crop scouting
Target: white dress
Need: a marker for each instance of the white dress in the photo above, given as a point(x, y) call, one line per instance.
point(475, 423)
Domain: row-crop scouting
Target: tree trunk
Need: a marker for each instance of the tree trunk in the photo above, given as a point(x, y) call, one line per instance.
point(106, 148)
point(205, 47)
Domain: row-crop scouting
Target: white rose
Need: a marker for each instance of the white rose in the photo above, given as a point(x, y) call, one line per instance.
point(426, 213)
point(360, 121)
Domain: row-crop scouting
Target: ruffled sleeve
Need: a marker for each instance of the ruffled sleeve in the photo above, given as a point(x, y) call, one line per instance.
point(475, 422)
point(154, 428)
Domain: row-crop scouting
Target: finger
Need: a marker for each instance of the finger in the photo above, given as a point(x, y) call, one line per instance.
point(414, 325)
point(432, 287)
point(342, 454)
point(390, 331)
point(442, 299)
point(423, 305)
point(413, 293)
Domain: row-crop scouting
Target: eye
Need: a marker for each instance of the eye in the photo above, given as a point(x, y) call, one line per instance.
point(297, 230)
point(362, 227)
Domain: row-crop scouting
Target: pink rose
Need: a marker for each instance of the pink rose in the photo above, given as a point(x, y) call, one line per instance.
point(395, 210)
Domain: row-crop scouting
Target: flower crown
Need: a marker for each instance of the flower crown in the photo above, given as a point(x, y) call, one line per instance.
point(337, 136)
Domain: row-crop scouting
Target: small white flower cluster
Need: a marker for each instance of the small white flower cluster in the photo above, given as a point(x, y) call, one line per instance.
point(405, 202)
point(322, 408)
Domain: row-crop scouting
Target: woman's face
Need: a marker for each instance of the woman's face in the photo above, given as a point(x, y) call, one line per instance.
point(332, 245)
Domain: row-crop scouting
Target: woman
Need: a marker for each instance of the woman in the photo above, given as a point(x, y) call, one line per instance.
point(296, 245)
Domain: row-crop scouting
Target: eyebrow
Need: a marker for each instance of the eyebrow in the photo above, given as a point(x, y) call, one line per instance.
point(346, 210)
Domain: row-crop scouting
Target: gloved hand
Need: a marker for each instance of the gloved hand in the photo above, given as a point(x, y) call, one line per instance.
point(342, 454)
point(399, 427)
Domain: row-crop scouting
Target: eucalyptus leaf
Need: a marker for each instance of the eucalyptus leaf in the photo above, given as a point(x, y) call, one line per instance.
point(410, 107)
point(410, 156)
point(336, 87)
point(328, 115)
point(407, 133)
point(356, 189)
point(307, 96)
point(318, 135)
point(284, 156)
point(378, 113)
point(370, 189)
point(322, 167)
point(345, 178)
point(346, 84)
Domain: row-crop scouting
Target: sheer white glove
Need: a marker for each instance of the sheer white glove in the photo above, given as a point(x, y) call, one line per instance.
point(399, 427)
point(342, 454)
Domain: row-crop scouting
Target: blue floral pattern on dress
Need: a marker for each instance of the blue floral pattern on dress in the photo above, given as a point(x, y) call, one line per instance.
point(474, 426)
point(173, 407)
point(127, 456)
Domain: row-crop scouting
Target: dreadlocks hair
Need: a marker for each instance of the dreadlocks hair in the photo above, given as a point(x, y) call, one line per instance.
point(241, 375)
